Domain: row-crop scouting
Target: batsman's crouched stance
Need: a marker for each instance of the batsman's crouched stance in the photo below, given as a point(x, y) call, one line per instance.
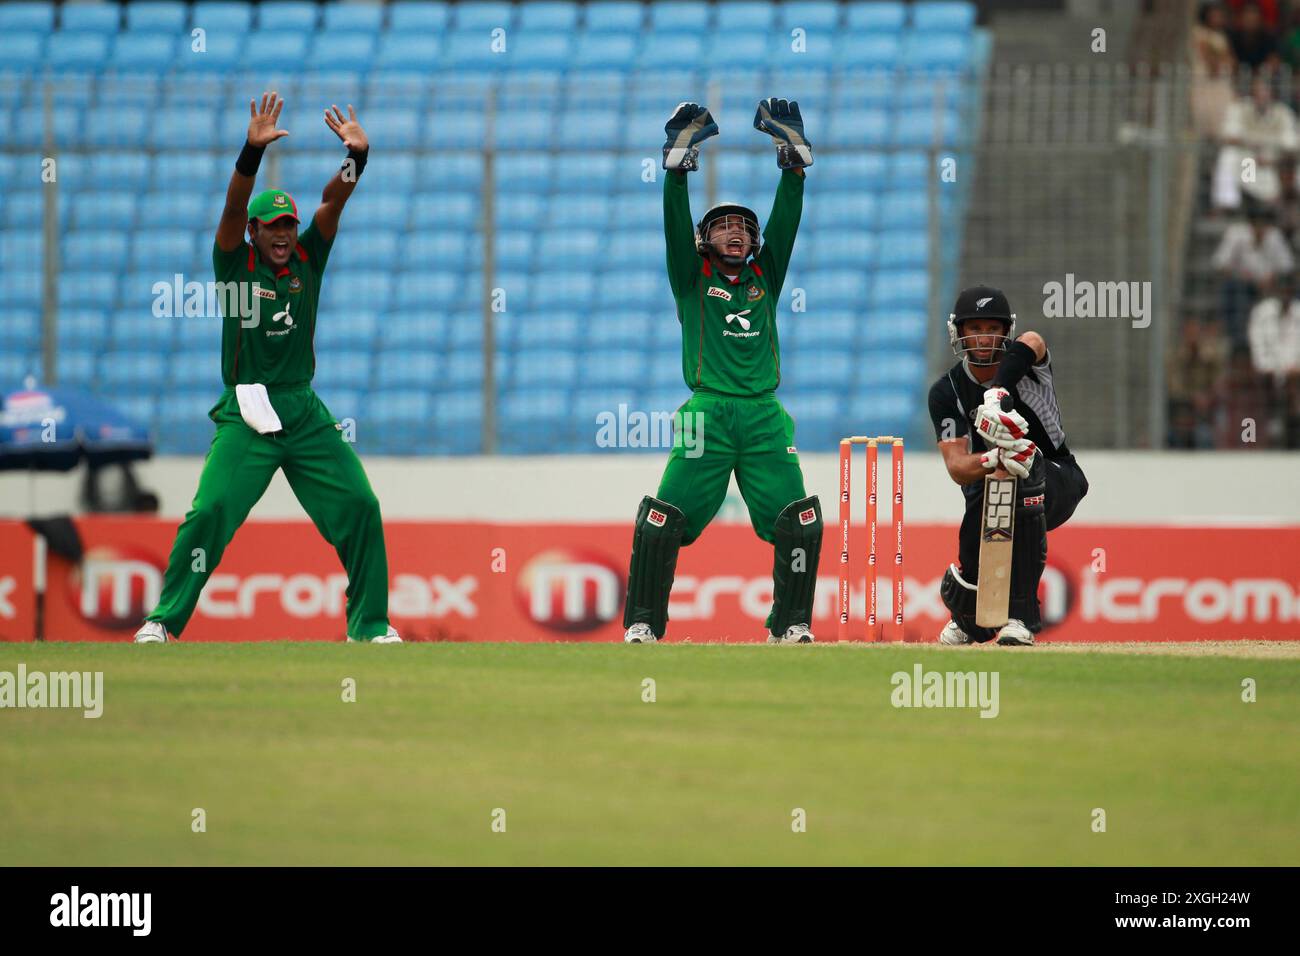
point(726, 286)
point(268, 416)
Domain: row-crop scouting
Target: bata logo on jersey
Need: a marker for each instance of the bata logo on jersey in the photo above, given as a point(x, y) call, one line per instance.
point(656, 518)
point(807, 516)
point(264, 293)
point(1203, 600)
point(569, 590)
point(719, 293)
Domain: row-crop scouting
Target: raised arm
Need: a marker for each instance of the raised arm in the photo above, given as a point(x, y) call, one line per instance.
point(262, 132)
point(340, 187)
point(782, 120)
point(690, 125)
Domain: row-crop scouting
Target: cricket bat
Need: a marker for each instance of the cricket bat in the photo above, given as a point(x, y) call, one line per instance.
point(997, 528)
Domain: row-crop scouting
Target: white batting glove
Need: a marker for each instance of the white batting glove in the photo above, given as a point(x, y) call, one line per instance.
point(1018, 458)
point(995, 425)
point(991, 460)
point(993, 396)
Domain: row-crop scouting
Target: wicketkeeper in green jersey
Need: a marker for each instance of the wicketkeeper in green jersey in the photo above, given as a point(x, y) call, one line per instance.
point(268, 416)
point(726, 284)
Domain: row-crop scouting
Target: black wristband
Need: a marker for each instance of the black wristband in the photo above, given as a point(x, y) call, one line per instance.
point(1018, 360)
point(250, 157)
point(359, 159)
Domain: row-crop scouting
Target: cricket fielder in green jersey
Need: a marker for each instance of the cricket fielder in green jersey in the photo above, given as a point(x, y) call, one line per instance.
point(268, 417)
point(726, 285)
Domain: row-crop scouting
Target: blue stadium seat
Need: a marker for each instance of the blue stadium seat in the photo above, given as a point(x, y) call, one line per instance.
point(178, 210)
point(161, 249)
point(919, 128)
point(837, 288)
point(548, 15)
point(82, 286)
point(544, 367)
point(140, 409)
point(125, 170)
point(458, 423)
point(422, 18)
point(347, 291)
point(484, 17)
point(406, 51)
point(186, 169)
point(639, 222)
point(820, 15)
point(22, 52)
point(355, 329)
point(571, 245)
point(94, 249)
point(938, 16)
point(805, 369)
point(622, 16)
point(662, 368)
point(879, 17)
point(936, 51)
point(473, 50)
point(668, 50)
point(843, 249)
point(118, 127)
point(818, 417)
point(191, 368)
point(886, 410)
point(622, 332)
point(342, 369)
point(755, 15)
point(898, 368)
point(526, 130)
point(20, 329)
point(82, 328)
point(429, 290)
point(183, 425)
point(408, 368)
point(856, 170)
point(737, 50)
point(138, 330)
point(601, 51)
point(31, 121)
point(681, 16)
point(221, 18)
point(904, 249)
point(858, 51)
point(76, 51)
point(36, 17)
point(127, 368)
point(582, 211)
point(557, 330)
point(900, 289)
point(903, 211)
point(563, 290)
point(347, 51)
point(621, 366)
point(290, 16)
point(167, 16)
point(536, 421)
point(275, 45)
point(822, 329)
point(176, 127)
point(895, 328)
point(854, 209)
point(540, 51)
point(76, 367)
point(106, 210)
point(860, 127)
point(144, 53)
point(358, 18)
point(445, 210)
point(221, 53)
point(27, 209)
point(413, 329)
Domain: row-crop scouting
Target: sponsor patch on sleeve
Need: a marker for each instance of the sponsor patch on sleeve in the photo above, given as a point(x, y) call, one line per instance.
point(808, 516)
point(656, 518)
point(1034, 500)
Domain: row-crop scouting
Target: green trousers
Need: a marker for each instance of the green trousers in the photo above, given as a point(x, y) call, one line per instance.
point(716, 435)
point(325, 475)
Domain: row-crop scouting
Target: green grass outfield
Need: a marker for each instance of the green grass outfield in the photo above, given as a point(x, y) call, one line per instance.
point(588, 773)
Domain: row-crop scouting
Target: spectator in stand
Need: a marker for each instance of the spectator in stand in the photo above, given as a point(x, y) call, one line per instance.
point(1196, 366)
point(1274, 333)
point(1289, 45)
point(1256, 128)
point(1253, 43)
point(1251, 255)
point(1288, 203)
point(1213, 66)
point(1242, 402)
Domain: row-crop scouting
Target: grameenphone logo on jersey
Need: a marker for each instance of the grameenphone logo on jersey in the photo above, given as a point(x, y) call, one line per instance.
point(570, 590)
point(114, 587)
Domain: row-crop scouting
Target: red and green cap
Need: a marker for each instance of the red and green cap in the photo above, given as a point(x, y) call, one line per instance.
point(273, 204)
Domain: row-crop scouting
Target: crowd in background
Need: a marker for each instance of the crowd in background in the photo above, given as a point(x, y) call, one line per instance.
point(1235, 368)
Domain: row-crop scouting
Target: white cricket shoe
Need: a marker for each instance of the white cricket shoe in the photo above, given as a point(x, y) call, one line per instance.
point(151, 632)
point(389, 638)
point(1015, 634)
point(953, 636)
point(640, 633)
point(794, 634)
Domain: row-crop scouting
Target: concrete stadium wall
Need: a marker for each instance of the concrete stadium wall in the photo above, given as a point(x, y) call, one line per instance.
point(1126, 487)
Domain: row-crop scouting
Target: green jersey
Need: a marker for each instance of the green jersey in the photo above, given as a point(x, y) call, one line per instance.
point(272, 342)
point(729, 339)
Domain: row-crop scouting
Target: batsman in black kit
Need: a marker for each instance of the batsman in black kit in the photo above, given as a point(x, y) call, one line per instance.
point(979, 435)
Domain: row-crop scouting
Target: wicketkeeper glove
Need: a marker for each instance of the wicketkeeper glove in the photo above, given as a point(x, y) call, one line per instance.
point(689, 126)
point(782, 120)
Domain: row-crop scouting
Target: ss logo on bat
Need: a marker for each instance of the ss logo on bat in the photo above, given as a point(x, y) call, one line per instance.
point(998, 507)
